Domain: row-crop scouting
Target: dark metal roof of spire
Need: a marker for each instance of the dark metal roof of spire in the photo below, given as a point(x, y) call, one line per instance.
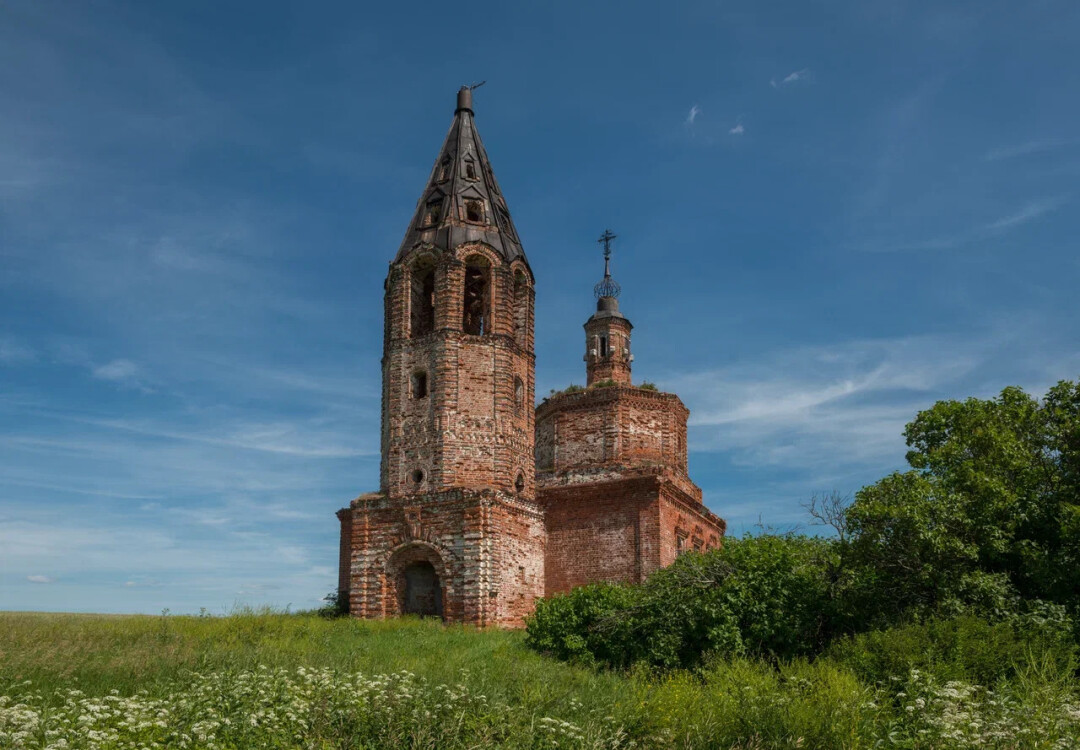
point(462, 201)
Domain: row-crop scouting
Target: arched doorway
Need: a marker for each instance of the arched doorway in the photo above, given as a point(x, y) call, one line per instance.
point(423, 590)
point(415, 579)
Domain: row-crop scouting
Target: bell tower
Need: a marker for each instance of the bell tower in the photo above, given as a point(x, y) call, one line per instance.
point(607, 332)
point(454, 530)
point(458, 362)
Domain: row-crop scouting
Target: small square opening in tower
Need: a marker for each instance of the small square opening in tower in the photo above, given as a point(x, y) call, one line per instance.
point(419, 384)
point(470, 170)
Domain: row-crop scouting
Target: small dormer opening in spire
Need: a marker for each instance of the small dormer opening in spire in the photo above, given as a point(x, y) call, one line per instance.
point(470, 171)
point(432, 212)
point(474, 211)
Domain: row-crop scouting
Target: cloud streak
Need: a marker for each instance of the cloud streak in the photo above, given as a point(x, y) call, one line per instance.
point(797, 76)
point(1028, 148)
point(1029, 212)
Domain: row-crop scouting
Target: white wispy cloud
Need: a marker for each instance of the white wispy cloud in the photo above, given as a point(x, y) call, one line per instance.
point(797, 76)
point(39, 579)
point(1027, 213)
point(1027, 148)
point(119, 370)
point(692, 115)
point(737, 130)
point(829, 405)
point(12, 352)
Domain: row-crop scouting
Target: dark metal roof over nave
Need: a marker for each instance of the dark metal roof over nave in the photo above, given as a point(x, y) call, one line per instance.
point(462, 201)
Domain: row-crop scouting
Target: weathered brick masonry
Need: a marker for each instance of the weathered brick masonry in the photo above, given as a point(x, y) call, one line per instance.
point(485, 504)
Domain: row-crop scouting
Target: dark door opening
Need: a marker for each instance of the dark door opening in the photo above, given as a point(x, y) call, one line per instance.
point(423, 594)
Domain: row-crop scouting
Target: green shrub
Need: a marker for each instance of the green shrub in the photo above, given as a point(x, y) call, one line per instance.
point(566, 625)
point(965, 648)
point(609, 383)
point(647, 386)
point(572, 388)
point(756, 596)
point(337, 605)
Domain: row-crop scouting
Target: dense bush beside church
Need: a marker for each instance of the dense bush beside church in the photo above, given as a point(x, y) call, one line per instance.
point(968, 562)
point(756, 596)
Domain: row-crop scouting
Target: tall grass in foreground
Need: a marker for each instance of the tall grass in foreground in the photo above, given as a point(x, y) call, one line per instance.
point(284, 681)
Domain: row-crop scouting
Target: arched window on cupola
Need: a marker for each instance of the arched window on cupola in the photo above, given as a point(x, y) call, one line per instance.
point(422, 298)
point(476, 307)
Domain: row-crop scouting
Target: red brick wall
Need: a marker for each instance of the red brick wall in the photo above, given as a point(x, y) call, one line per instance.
point(344, 552)
point(617, 425)
point(474, 428)
point(486, 547)
point(679, 515)
point(592, 531)
point(617, 527)
point(615, 365)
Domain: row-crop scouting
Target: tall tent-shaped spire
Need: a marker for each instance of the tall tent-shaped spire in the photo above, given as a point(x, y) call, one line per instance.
point(462, 201)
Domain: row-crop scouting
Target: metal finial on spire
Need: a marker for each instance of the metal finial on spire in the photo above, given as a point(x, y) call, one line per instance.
point(464, 96)
point(608, 287)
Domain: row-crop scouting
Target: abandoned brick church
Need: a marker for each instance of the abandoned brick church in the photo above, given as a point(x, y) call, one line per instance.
point(486, 504)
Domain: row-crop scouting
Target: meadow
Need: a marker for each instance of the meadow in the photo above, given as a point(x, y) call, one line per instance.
point(302, 681)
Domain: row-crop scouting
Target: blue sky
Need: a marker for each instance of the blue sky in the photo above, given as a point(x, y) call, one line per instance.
point(830, 215)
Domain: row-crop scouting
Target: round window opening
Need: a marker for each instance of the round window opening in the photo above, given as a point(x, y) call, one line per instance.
point(519, 483)
point(418, 476)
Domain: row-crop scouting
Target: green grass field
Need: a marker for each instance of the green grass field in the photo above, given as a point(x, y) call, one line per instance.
point(283, 681)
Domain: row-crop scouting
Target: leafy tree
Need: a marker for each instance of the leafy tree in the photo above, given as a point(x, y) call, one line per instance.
point(987, 517)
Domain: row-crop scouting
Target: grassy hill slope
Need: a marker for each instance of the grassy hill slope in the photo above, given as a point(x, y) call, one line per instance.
point(284, 681)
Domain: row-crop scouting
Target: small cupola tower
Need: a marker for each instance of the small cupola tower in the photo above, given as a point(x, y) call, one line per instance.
point(607, 332)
